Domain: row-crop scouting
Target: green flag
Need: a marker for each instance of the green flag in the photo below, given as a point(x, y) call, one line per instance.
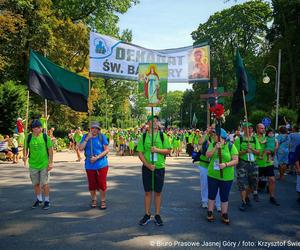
point(57, 84)
point(245, 82)
point(195, 120)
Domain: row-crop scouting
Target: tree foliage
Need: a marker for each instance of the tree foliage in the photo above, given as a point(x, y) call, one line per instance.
point(12, 99)
point(60, 31)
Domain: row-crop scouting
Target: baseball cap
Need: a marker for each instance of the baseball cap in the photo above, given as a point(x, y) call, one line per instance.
point(95, 125)
point(223, 133)
point(36, 123)
point(150, 117)
point(247, 124)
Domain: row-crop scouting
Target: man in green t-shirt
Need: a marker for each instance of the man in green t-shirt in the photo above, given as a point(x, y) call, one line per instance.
point(247, 171)
point(265, 167)
point(38, 149)
point(153, 159)
point(77, 139)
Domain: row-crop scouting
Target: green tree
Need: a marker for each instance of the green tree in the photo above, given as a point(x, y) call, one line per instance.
point(284, 34)
point(242, 26)
point(170, 108)
point(12, 105)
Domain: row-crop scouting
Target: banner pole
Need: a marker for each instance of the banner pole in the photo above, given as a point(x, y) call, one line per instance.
point(90, 114)
point(26, 128)
point(208, 112)
point(152, 144)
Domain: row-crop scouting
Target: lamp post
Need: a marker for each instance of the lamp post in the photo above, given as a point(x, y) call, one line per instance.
point(266, 79)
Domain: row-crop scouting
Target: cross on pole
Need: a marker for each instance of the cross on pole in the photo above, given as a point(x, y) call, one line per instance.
point(214, 93)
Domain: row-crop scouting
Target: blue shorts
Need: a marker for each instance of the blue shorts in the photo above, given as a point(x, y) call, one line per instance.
point(223, 186)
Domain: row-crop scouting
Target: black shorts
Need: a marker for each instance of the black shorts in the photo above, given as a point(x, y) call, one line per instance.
point(15, 151)
point(159, 176)
point(266, 171)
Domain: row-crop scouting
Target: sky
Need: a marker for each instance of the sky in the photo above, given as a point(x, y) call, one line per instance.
point(166, 24)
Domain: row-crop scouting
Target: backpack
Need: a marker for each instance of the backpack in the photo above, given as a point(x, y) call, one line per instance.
point(161, 134)
point(242, 139)
point(196, 155)
point(45, 140)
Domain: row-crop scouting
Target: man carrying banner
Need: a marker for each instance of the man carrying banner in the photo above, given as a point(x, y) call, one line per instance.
point(95, 146)
point(247, 171)
point(38, 148)
point(160, 149)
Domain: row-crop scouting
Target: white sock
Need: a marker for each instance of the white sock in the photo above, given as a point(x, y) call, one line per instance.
point(39, 197)
point(46, 198)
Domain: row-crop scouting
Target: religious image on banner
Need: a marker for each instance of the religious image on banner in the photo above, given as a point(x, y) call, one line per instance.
point(199, 62)
point(153, 81)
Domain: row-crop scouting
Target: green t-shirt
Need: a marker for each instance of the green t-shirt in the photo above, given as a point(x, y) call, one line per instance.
point(262, 162)
point(146, 148)
point(77, 137)
point(244, 145)
point(191, 138)
point(228, 172)
point(38, 155)
point(196, 139)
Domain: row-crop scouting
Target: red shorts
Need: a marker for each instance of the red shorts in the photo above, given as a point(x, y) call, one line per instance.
point(97, 179)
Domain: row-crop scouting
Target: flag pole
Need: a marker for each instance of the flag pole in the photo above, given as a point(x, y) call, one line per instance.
point(246, 115)
point(90, 113)
point(26, 128)
point(152, 144)
point(46, 115)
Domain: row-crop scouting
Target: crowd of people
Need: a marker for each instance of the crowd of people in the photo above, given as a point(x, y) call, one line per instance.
point(251, 154)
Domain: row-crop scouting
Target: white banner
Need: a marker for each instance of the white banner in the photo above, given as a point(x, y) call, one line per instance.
point(112, 58)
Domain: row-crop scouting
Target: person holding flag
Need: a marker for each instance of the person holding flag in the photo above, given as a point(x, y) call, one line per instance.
point(247, 170)
point(153, 170)
point(39, 150)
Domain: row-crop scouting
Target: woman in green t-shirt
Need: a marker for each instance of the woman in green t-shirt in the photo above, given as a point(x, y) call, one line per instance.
point(215, 181)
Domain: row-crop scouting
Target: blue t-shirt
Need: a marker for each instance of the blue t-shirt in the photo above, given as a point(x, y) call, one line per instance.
point(294, 141)
point(98, 148)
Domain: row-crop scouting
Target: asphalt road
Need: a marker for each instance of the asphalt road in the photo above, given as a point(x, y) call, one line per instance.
point(71, 224)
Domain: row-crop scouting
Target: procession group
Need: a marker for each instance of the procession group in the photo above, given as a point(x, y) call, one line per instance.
point(248, 155)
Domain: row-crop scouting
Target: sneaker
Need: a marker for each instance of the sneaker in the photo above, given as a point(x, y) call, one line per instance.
point(255, 197)
point(225, 219)
point(243, 206)
point(46, 205)
point(204, 205)
point(274, 202)
point(158, 221)
point(248, 202)
point(37, 203)
point(145, 220)
point(210, 216)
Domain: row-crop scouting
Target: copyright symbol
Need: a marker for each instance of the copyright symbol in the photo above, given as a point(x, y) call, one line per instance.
point(152, 243)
